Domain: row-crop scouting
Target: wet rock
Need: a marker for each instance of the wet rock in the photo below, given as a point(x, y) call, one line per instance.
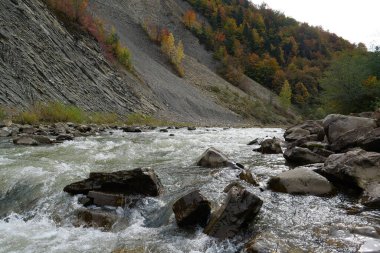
point(26, 141)
point(370, 141)
point(192, 209)
point(367, 231)
point(106, 199)
point(131, 129)
point(270, 146)
point(64, 137)
point(302, 156)
point(5, 132)
point(268, 243)
point(370, 246)
point(83, 128)
point(371, 195)
point(336, 125)
point(256, 141)
point(247, 176)
point(171, 135)
point(142, 181)
point(164, 130)
point(191, 128)
point(85, 201)
point(239, 209)
point(301, 181)
point(43, 140)
point(233, 184)
point(212, 158)
point(27, 130)
point(97, 218)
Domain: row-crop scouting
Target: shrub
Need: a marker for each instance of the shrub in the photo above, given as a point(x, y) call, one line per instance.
point(103, 118)
point(26, 118)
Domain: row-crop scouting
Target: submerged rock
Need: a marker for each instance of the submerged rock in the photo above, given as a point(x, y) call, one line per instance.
point(269, 243)
point(131, 129)
point(97, 218)
point(239, 208)
point(301, 181)
point(213, 158)
point(270, 146)
point(192, 209)
point(142, 181)
point(247, 176)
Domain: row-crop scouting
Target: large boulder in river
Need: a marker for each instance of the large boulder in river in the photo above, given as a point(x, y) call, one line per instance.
point(213, 158)
point(357, 168)
point(270, 146)
point(192, 209)
point(32, 140)
point(140, 181)
point(301, 181)
point(370, 141)
point(239, 208)
point(336, 125)
point(349, 139)
point(309, 127)
point(302, 156)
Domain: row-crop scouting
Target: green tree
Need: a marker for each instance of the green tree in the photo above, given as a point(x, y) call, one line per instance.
point(286, 94)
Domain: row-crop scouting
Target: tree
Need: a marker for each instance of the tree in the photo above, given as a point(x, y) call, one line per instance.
point(286, 94)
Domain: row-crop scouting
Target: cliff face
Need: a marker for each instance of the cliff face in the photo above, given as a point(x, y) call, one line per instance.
point(41, 60)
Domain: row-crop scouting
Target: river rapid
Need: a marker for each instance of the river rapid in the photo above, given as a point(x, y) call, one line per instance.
point(37, 216)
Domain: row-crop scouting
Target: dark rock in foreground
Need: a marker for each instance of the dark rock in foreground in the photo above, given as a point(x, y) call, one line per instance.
point(141, 181)
point(301, 181)
point(192, 209)
point(239, 208)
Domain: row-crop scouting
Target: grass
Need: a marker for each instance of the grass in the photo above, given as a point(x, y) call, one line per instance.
point(3, 114)
point(244, 105)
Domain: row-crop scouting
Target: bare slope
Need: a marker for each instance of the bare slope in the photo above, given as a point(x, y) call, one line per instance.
point(187, 97)
point(41, 61)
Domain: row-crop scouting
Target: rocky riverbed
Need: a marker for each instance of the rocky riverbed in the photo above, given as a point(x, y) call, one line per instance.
point(191, 207)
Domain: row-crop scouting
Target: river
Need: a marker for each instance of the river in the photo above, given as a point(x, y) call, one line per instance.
point(37, 216)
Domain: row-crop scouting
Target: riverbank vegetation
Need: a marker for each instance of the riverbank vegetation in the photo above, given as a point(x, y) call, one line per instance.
point(75, 14)
point(265, 45)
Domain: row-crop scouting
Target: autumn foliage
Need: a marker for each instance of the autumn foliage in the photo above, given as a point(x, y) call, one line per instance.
point(173, 51)
point(76, 12)
point(265, 45)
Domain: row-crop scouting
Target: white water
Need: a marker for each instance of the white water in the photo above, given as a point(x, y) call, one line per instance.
point(36, 216)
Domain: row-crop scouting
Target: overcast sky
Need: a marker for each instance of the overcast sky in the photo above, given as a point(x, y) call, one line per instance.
point(356, 21)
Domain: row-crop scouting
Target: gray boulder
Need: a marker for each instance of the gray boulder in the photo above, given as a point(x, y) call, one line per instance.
point(309, 127)
point(247, 176)
point(5, 132)
point(140, 181)
point(192, 209)
point(370, 141)
point(270, 146)
point(25, 141)
point(302, 156)
point(336, 125)
point(106, 199)
point(239, 208)
point(213, 158)
point(301, 181)
point(350, 139)
point(357, 168)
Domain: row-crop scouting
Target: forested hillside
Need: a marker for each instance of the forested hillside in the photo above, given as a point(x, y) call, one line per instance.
point(265, 45)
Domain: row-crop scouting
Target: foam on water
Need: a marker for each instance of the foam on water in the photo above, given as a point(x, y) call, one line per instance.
point(36, 216)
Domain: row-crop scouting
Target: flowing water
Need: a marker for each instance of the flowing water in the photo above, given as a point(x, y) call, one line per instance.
point(37, 216)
